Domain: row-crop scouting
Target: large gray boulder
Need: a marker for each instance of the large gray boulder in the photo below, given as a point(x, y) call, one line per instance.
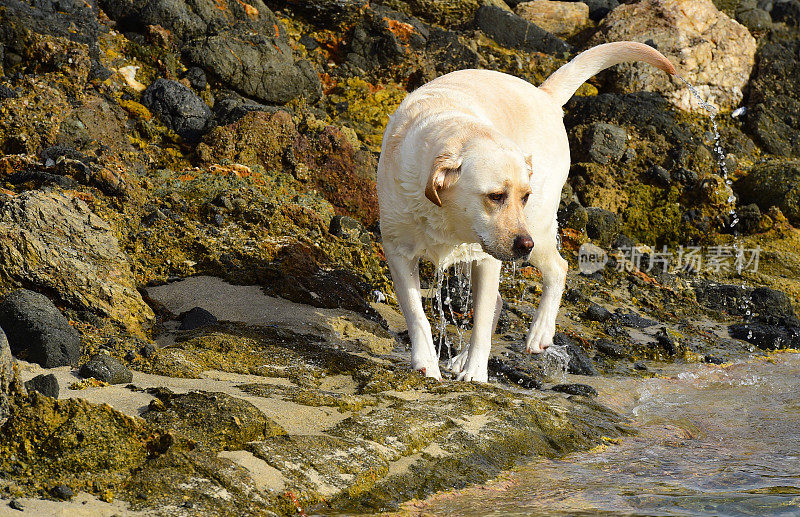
point(256, 65)
point(190, 19)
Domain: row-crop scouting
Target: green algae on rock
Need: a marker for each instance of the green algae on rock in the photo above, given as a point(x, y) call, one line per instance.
point(85, 446)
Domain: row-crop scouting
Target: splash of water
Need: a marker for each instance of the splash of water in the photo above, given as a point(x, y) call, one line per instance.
point(455, 282)
point(555, 361)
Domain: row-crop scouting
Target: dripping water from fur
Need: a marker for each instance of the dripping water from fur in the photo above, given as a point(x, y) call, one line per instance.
point(723, 167)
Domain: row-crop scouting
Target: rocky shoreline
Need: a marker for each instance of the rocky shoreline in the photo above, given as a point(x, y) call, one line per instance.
point(197, 317)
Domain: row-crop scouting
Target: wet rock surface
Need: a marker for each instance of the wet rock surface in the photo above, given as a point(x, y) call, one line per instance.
point(163, 155)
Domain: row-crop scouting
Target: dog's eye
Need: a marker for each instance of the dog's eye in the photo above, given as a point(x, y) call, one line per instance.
point(525, 198)
point(497, 197)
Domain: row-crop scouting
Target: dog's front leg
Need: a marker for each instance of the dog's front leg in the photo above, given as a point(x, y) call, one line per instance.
point(405, 274)
point(554, 273)
point(486, 303)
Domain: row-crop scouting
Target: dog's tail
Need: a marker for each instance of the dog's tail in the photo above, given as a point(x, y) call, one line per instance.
point(564, 81)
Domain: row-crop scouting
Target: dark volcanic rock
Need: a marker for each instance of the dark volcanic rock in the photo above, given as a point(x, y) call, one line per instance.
point(647, 111)
point(773, 114)
point(749, 219)
point(763, 303)
point(632, 319)
point(179, 108)
point(774, 183)
point(766, 336)
point(512, 31)
point(6, 92)
point(105, 368)
point(659, 175)
point(196, 318)
point(46, 384)
point(602, 226)
point(374, 44)
point(666, 343)
point(583, 390)
point(256, 65)
point(755, 19)
point(192, 18)
point(386, 41)
point(597, 313)
point(605, 143)
point(62, 492)
point(326, 13)
point(786, 11)
point(230, 107)
point(598, 9)
point(609, 349)
point(196, 77)
point(37, 331)
point(513, 375)
point(76, 21)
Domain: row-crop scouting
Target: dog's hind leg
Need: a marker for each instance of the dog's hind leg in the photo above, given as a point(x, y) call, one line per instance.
point(486, 303)
point(405, 274)
point(553, 267)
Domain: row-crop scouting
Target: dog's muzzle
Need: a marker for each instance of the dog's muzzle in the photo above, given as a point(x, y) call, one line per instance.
point(523, 244)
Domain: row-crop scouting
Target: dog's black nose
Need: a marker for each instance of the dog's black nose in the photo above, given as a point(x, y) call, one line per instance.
point(523, 245)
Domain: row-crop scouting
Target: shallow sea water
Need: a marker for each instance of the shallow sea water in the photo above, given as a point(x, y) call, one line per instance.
point(713, 440)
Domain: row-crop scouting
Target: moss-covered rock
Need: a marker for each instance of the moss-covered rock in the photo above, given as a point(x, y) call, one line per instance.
point(213, 420)
point(85, 446)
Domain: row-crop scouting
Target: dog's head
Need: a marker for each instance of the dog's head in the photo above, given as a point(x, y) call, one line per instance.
point(483, 185)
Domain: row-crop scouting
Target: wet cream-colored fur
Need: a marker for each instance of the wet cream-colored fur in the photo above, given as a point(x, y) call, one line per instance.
point(471, 170)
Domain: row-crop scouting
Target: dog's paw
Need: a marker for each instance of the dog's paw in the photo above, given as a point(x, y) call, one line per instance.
point(540, 336)
point(473, 373)
point(430, 370)
point(456, 364)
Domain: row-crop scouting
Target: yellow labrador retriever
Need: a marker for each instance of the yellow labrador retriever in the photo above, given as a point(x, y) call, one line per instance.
point(471, 170)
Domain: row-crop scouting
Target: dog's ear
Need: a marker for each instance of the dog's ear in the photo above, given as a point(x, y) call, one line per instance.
point(445, 171)
point(529, 164)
